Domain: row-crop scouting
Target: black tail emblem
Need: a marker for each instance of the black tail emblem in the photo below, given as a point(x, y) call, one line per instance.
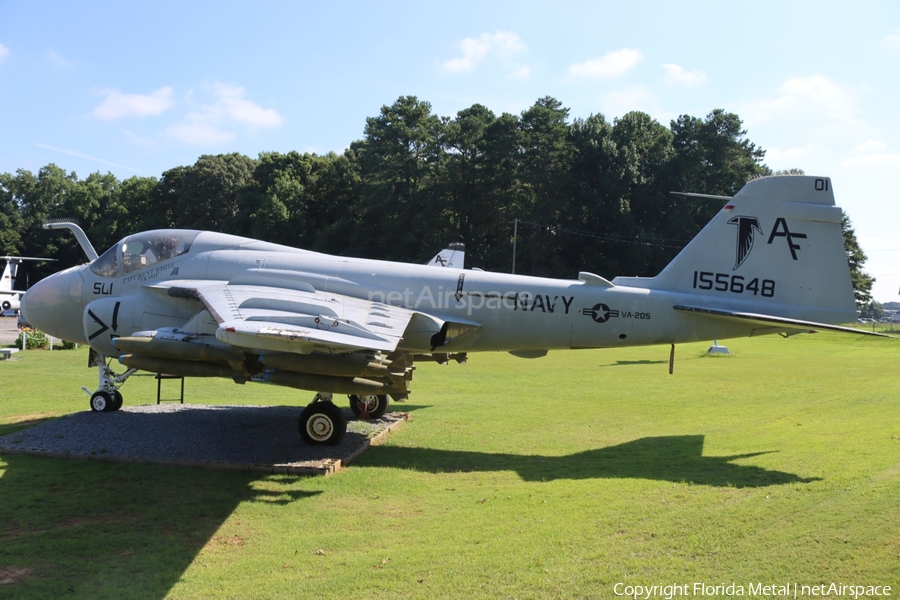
point(745, 225)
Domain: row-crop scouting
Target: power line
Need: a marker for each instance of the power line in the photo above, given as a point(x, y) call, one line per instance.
point(658, 242)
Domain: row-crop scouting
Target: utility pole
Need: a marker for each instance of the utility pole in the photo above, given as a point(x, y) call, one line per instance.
point(515, 239)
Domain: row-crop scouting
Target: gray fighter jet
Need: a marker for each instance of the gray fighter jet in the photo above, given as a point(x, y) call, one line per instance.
point(203, 304)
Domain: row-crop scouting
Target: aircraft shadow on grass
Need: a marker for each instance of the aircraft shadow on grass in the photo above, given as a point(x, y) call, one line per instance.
point(82, 528)
point(101, 522)
point(625, 363)
point(678, 459)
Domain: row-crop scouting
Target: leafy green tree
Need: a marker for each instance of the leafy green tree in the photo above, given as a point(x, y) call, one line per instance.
point(599, 206)
point(94, 203)
point(872, 310)
point(333, 190)
point(546, 172)
point(645, 152)
point(398, 159)
point(137, 209)
point(480, 182)
point(491, 247)
point(42, 197)
point(11, 221)
point(273, 204)
point(714, 153)
point(856, 258)
point(208, 198)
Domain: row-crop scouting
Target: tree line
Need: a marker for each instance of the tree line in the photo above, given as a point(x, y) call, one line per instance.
point(580, 194)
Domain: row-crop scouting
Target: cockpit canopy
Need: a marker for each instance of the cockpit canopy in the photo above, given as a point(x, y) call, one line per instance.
point(142, 250)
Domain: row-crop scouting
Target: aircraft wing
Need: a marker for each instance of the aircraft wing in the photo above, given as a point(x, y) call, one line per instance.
point(285, 320)
point(769, 320)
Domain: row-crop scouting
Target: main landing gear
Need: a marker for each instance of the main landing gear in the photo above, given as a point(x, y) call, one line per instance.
point(107, 396)
point(368, 407)
point(324, 424)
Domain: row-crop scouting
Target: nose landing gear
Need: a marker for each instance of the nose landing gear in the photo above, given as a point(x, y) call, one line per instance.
point(107, 396)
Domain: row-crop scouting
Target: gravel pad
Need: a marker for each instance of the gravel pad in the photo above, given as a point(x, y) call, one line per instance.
point(254, 438)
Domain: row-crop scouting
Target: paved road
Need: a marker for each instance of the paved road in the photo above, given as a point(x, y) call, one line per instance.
point(8, 331)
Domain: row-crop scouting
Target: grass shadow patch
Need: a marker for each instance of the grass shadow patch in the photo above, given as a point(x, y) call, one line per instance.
point(678, 459)
point(627, 363)
point(12, 425)
point(103, 531)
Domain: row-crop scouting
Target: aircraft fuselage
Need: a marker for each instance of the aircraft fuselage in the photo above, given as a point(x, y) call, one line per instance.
point(507, 312)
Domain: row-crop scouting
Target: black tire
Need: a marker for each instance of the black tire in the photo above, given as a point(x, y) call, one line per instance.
point(101, 402)
point(373, 405)
point(117, 400)
point(322, 424)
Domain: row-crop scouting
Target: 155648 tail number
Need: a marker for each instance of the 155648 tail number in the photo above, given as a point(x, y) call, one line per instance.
point(735, 284)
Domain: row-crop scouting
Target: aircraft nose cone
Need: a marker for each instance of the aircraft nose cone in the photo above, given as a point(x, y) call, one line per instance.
point(53, 305)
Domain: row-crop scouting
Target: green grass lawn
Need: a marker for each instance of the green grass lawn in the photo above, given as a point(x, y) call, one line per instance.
point(550, 478)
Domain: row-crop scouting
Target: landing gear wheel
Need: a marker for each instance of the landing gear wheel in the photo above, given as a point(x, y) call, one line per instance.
point(117, 400)
point(369, 407)
point(322, 423)
point(102, 402)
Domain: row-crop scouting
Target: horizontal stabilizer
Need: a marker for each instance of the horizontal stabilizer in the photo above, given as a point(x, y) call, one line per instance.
point(770, 321)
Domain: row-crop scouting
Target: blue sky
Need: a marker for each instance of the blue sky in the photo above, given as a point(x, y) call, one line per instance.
point(139, 88)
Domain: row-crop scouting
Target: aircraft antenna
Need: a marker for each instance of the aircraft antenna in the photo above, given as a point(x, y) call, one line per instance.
point(82, 238)
point(704, 196)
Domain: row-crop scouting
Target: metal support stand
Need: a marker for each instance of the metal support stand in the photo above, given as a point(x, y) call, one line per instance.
point(160, 377)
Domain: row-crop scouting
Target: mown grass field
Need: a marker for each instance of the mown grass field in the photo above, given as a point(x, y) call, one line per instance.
point(550, 478)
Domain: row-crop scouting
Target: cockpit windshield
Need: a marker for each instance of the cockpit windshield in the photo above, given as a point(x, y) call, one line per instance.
point(141, 250)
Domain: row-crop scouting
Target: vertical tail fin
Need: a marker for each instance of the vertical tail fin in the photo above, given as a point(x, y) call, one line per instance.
point(776, 247)
point(9, 273)
point(454, 255)
point(8, 279)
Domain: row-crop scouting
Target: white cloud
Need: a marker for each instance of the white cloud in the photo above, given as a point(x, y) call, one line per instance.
point(4, 53)
point(873, 153)
point(231, 102)
point(117, 105)
point(621, 101)
point(56, 59)
point(874, 160)
point(475, 51)
point(892, 41)
point(609, 66)
point(522, 73)
point(84, 156)
point(870, 147)
point(193, 130)
point(814, 97)
point(790, 156)
point(209, 124)
point(676, 75)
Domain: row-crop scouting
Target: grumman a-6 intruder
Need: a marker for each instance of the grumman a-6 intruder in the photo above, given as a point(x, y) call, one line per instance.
point(206, 304)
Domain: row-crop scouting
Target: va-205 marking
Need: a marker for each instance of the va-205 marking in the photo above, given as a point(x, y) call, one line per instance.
point(601, 313)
